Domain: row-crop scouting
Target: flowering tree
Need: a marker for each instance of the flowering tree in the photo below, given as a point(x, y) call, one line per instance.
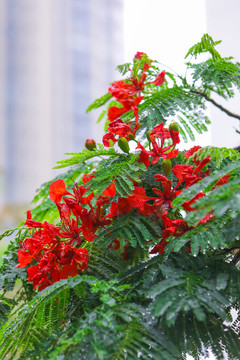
point(134, 252)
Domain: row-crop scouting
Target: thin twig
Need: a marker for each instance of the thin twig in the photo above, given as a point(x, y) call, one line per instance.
point(236, 259)
point(225, 251)
point(216, 104)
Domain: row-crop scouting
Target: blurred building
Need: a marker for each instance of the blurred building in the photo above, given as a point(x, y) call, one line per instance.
point(56, 57)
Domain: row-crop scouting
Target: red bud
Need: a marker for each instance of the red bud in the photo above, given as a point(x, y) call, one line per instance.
point(90, 144)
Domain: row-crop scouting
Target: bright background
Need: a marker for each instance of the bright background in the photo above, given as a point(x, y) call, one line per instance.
point(56, 56)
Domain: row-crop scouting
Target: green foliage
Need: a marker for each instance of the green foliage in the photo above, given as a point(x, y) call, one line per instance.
point(8, 270)
point(5, 308)
point(221, 199)
point(193, 286)
point(217, 155)
point(78, 158)
point(209, 236)
point(133, 228)
point(220, 76)
point(178, 103)
point(129, 303)
point(41, 315)
point(123, 170)
point(123, 69)
point(99, 102)
point(205, 45)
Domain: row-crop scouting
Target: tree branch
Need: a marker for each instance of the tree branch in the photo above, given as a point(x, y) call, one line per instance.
point(236, 259)
point(225, 251)
point(216, 104)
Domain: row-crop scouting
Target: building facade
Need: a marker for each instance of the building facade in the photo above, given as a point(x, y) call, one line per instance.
point(56, 57)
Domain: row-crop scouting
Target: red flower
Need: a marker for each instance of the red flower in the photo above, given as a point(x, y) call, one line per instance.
point(118, 127)
point(24, 258)
point(139, 54)
point(54, 259)
point(157, 138)
point(168, 194)
point(176, 227)
point(223, 180)
point(159, 79)
point(121, 207)
point(188, 204)
point(78, 192)
point(71, 230)
point(125, 205)
point(144, 155)
point(109, 140)
point(93, 219)
point(115, 112)
point(110, 190)
point(57, 190)
point(183, 173)
point(45, 273)
point(63, 262)
point(191, 151)
point(206, 218)
point(127, 93)
point(159, 248)
point(115, 245)
point(122, 91)
point(68, 270)
point(50, 229)
point(87, 177)
point(199, 164)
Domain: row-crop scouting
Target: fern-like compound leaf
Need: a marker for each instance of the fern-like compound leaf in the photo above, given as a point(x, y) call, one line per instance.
point(78, 158)
point(129, 228)
point(178, 103)
point(206, 44)
point(122, 171)
point(99, 102)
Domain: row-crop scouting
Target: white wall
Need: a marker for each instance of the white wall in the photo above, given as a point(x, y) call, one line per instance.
point(166, 29)
point(223, 24)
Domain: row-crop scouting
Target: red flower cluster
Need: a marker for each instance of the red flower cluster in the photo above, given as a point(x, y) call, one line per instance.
point(129, 94)
point(176, 227)
point(54, 258)
point(189, 175)
point(118, 127)
point(54, 249)
point(157, 138)
point(53, 252)
point(136, 200)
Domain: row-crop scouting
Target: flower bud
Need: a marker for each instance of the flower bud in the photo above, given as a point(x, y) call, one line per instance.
point(123, 144)
point(173, 126)
point(167, 165)
point(90, 144)
point(131, 136)
point(148, 135)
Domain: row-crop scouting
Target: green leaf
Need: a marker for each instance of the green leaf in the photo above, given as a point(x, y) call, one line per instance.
point(205, 45)
point(78, 158)
point(99, 102)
